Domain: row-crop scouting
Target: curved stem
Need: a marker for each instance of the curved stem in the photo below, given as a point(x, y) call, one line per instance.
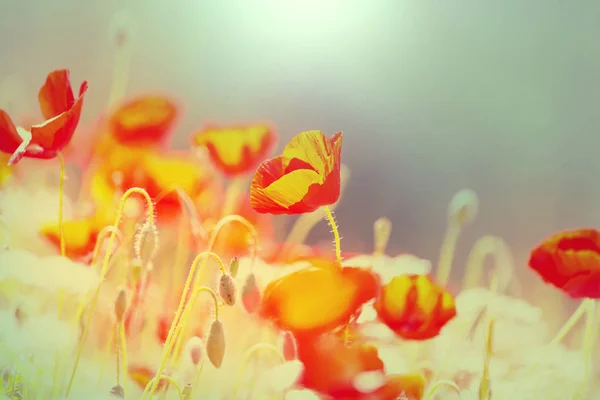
point(336, 235)
point(182, 305)
point(569, 324)
point(187, 205)
point(247, 356)
point(61, 190)
point(484, 386)
point(447, 253)
point(197, 378)
point(438, 384)
point(110, 229)
point(155, 381)
point(150, 212)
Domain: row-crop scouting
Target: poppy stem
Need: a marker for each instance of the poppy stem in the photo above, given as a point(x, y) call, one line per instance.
point(588, 342)
point(190, 284)
point(485, 391)
point(232, 195)
point(488, 246)
point(123, 350)
point(61, 189)
point(247, 356)
point(104, 270)
point(568, 326)
point(438, 384)
point(336, 235)
point(156, 380)
point(444, 268)
point(102, 237)
point(196, 380)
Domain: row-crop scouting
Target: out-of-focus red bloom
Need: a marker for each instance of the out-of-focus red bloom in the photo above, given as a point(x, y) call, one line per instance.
point(317, 299)
point(159, 174)
point(143, 121)
point(80, 234)
point(414, 307)
point(142, 375)
point(234, 238)
point(61, 111)
point(305, 177)
point(236, 150)
point(570, 261)
point(288, 253)
point(411, 386)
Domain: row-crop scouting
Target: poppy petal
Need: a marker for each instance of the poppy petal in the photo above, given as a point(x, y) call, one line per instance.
point(414, 307)
point(9, 137)
point(237, 149)
point(317, 299)
point(56, 95)
point(144, 120)
point(55, 133)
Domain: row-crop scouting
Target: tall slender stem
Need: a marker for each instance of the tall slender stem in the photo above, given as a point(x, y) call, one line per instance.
point(336, 235)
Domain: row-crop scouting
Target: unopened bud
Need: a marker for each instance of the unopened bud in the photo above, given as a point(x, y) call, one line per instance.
point(463, 207)
point(121, 305)
point(382, 229)
point(250, 294)
point(227, 289)
point(234, 266)
point(194, 349)
point(146, 242)
point(186, 392)
point(117, 391)
point(215, 344)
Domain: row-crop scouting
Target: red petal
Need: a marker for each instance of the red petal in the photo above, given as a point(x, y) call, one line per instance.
point(570, 261)
point(414, 307)
point(9, 137)
point(56, 96)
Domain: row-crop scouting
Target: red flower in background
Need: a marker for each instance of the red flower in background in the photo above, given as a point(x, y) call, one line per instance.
point(305, 177)
point(61, 110)
point(414, 307)
point(237, 149)
point(145, 120)
point(317, 299)
point(570, 261)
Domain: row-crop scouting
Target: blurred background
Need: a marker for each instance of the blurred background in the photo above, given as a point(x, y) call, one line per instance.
point(501, 97)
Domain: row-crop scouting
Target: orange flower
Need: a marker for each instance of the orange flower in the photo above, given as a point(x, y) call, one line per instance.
point(61, 111)
point(157, 173)
point(414, 307)
point(570, 261)
point(144, 120)
point(317, 299)
point(330, 365)
point(80, 235)
point(305, 177)
point(238, 149)
point(412, 387)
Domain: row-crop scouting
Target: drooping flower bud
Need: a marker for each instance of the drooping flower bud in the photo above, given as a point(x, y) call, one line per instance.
point(121, 305)
point(251, 294)
point(463, 207)
point(382, 229)
point(227, 289)
point(234, 266)
point(146, 242)
point(215, 344)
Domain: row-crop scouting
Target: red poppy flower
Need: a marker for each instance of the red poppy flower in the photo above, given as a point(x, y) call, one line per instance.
point(570, 261)
point(157, 173)
point(414, 307)
point(305, 177)
point(61, 111)
point(317, 299)
point(144, 120)
point(330, 365)
point(80, 235)
point(237, 149)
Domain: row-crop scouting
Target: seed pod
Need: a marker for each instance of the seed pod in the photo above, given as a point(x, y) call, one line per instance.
point(215, 344)
point(251, 294)
point(382, 229)
point(117, 391)
point(463, 207)
point(234, 266)
point(146, 242)
point(121, 305)
point(186, 392)
point(227, 289)
point(194, 349)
